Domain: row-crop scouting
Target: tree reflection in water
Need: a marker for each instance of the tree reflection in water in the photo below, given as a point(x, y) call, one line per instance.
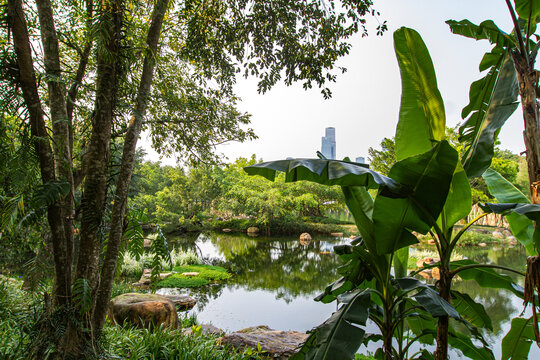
point(280, 265)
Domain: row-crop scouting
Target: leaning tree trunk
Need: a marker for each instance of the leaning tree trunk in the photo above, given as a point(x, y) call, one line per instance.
point(124, 177)
point(528, 82)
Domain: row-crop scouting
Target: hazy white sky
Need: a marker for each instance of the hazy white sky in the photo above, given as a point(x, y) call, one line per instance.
point(365, 104)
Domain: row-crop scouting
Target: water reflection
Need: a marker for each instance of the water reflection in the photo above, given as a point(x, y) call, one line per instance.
point(275, 280)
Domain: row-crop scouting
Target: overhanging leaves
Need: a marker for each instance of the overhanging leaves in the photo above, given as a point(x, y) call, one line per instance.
point(421, 115)
point(468, 348)
point(326, 172)
point(528, 9)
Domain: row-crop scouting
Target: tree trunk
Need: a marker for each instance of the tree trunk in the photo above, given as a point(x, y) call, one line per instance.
point(124, 178)
point(97, 156)
point(28, 83)
point(445, 282)
point(62, 147)
point(528, 81)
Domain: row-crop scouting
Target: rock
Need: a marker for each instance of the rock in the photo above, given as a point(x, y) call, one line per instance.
point(498, 235)
point(337, 234)
point(507, 233)
point(512, 240)
point(305, 237)
point(182, 302)
point(226, 230)
point(146, 277)
point(482, 244)
point(253, 230)
point(143, 310)
point(325, 252)
point(147, 243)
point(426, 261)
point(193, 273)
point(431, 242)
point(204, 328)
point(352, 237)
point(276, 344)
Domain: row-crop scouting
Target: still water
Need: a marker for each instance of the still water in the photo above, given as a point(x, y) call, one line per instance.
point(276, 279)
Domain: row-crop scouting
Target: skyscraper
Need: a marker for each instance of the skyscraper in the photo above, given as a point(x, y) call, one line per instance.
point(328, 147)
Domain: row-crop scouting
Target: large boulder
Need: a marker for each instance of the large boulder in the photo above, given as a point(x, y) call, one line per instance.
point(277, 344)
point(253, 230)
point(143, 310)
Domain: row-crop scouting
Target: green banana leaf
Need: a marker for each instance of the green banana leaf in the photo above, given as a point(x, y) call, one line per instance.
point(327, 172)
point(528, 9)
point(470, 310)
point(340, 336)
point(505, 192)
point(486, 277)
point(428, 298)
point(463, 343)
point(487, 30)
point(421, 115)
point(492, 100)
point(360, 203)
point(459, 201)
point(429, 176)
point(517, 342)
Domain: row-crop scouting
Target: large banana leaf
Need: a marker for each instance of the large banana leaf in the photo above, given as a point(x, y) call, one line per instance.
point(429, 176)
point(360, 203)
point(492, 100)
point(421, 116)
point(528, 9)
point(486, 277)
point(426, 297)
point(327, 172)
point(341, 335)
point(487, 30)
point(459, 201)
point(517, 343)
point(470, 310)
point(505, 192)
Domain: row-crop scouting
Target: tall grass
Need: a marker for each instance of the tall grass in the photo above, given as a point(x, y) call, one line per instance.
point(133, 268)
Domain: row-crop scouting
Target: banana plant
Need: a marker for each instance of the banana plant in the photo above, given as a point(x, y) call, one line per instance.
point(427, 191)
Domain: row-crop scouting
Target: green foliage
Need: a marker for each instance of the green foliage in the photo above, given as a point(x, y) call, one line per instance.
point(517, 343)
point(382, 160)
point(134, 344)
point(82, 295)
point(207, 273)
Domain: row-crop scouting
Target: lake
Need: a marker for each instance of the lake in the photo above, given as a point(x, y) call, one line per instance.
point(276, 278)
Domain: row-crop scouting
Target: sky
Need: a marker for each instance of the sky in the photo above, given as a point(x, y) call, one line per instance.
point(364, 108)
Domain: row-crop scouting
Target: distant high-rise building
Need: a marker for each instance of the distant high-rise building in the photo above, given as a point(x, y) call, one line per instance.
point(328, 147)
point(360, 160)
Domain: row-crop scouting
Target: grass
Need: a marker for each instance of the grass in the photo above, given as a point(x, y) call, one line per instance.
point(207, 273)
